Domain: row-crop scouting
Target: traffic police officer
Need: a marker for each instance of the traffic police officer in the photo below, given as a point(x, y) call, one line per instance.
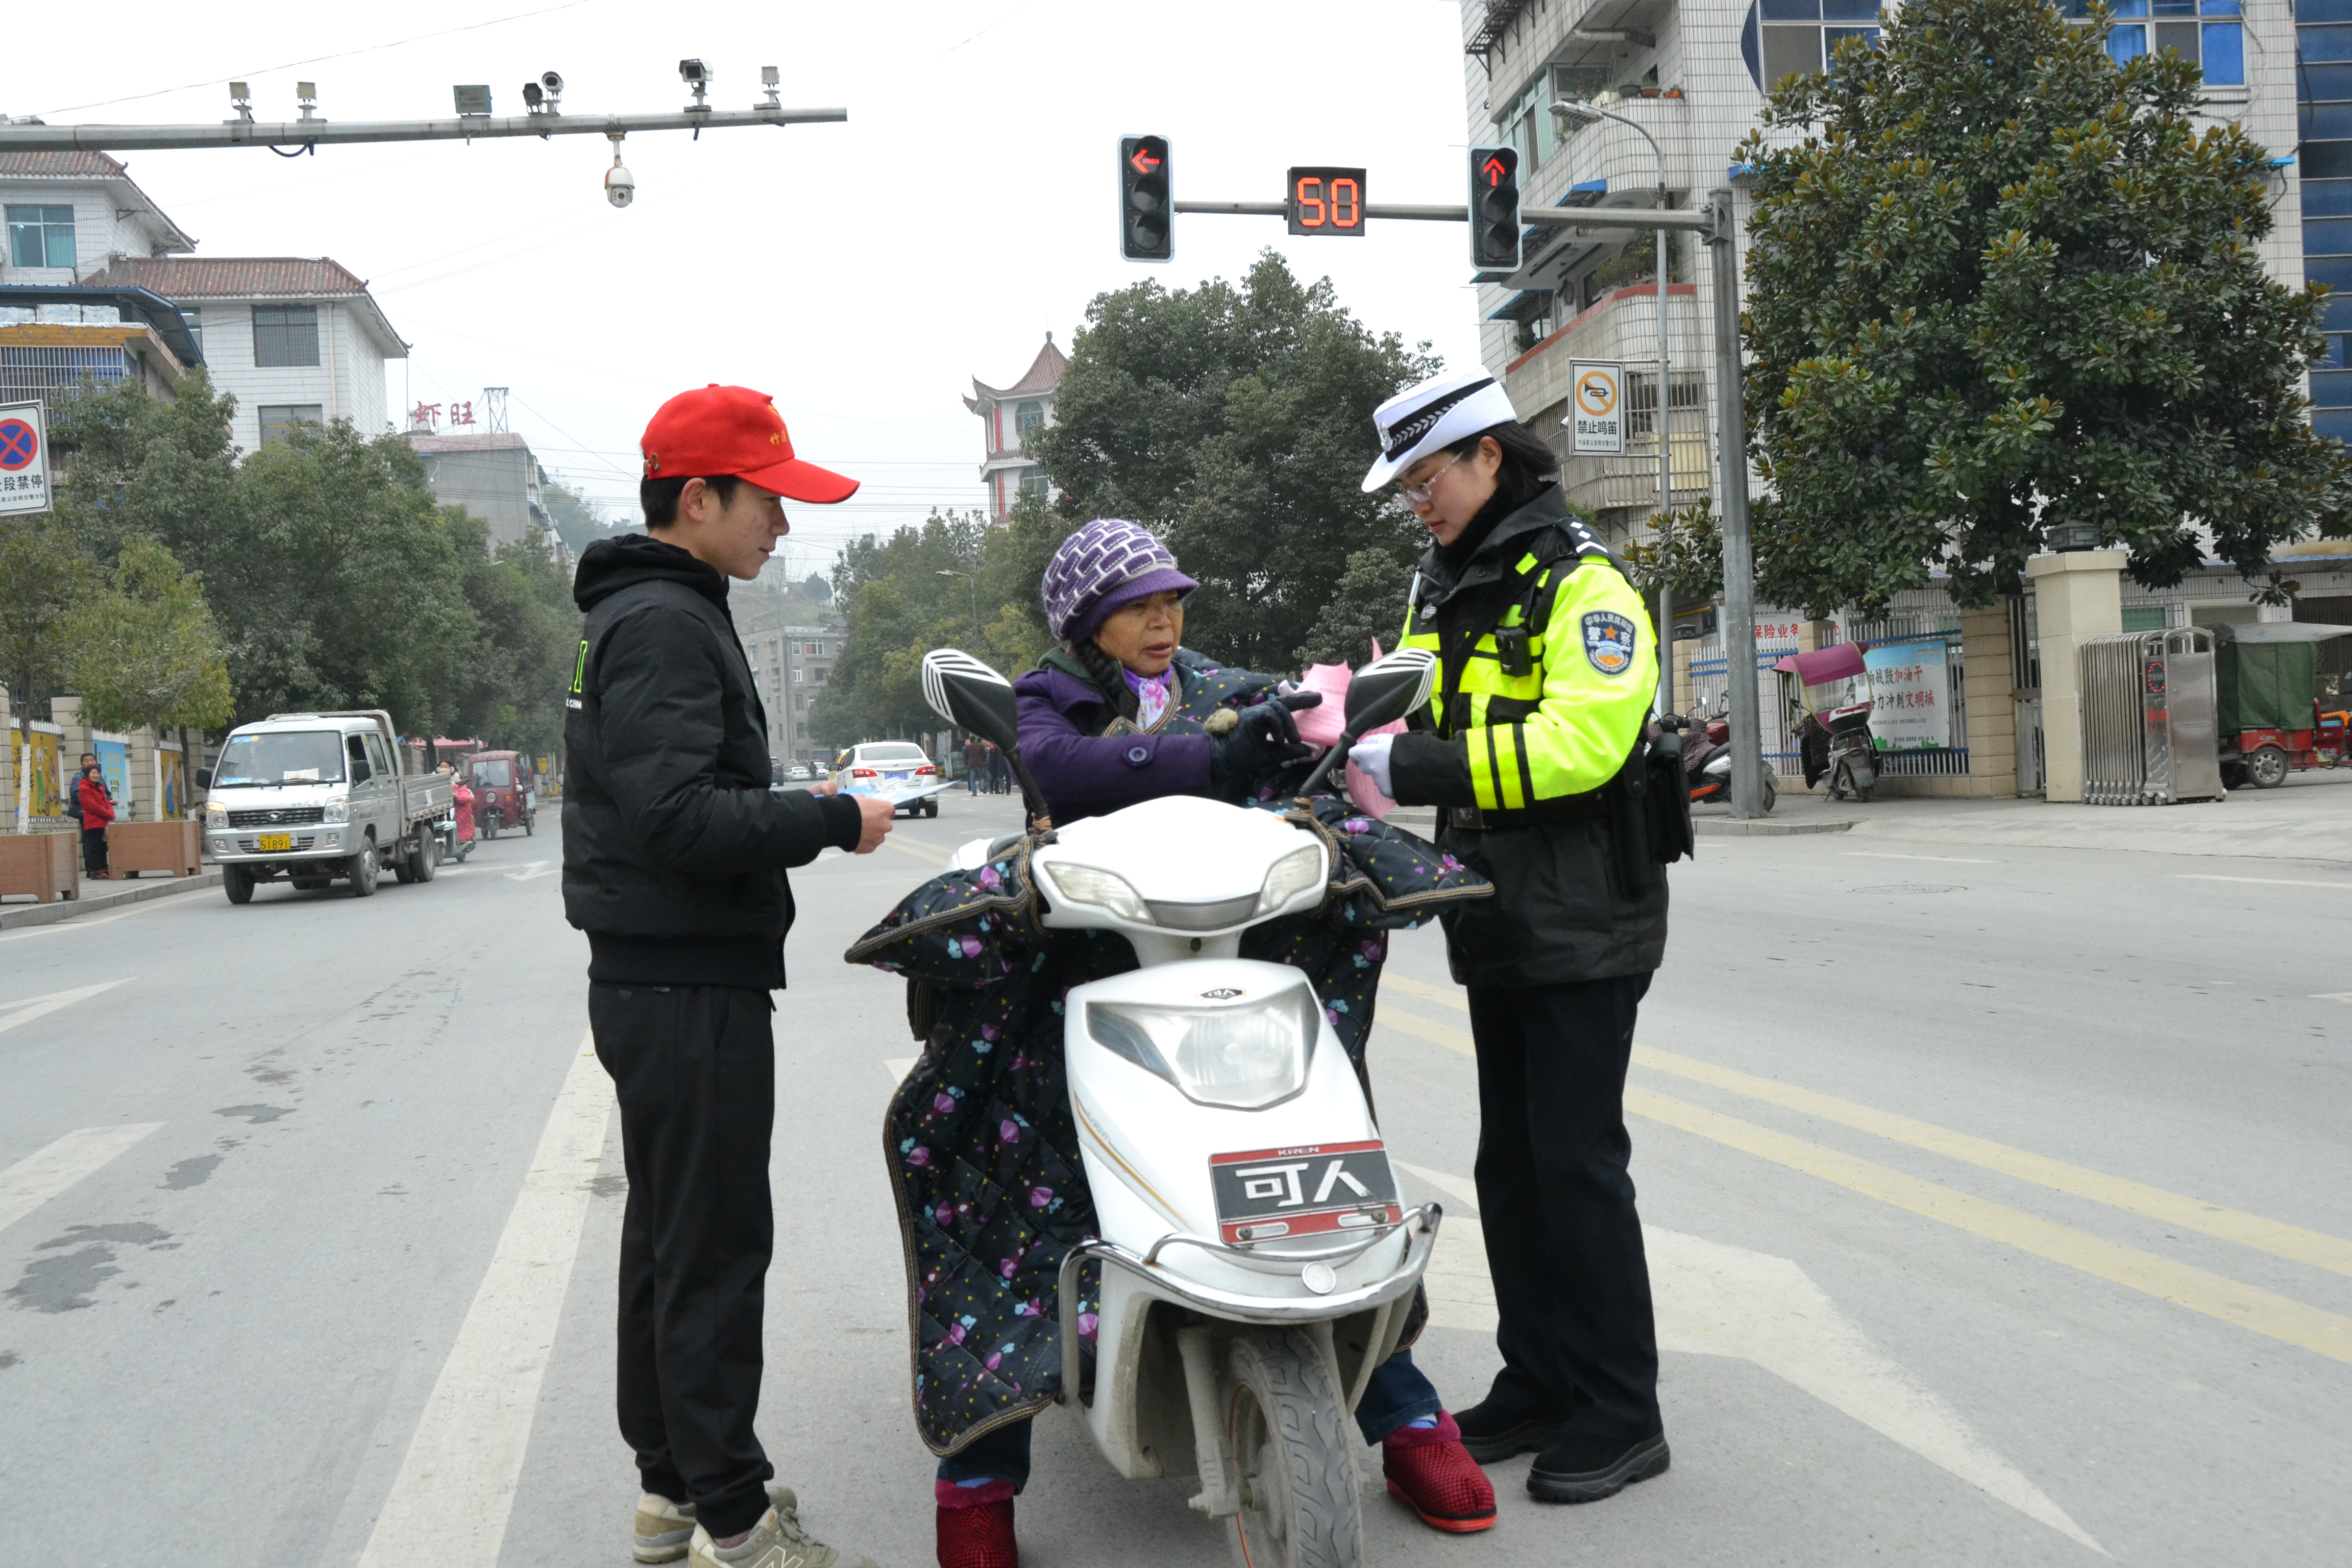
point(1533, 753)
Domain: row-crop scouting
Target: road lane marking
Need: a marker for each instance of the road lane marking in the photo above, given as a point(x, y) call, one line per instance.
point(2332, 996)
point(33, 1007)
point(1884, 855)
point(76, 923)
point(2262, 1311)
point(52, 1168)
point(450, 1503)
point(2264, 882)
point(1715, 1299)
point(2281, 1240)
point(934, 858)
point(533, 875)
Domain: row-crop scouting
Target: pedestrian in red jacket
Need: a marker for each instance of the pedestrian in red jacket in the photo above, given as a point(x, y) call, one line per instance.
point(97, 811)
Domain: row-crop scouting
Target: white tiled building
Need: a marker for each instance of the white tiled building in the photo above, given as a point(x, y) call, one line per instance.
point(1008, 416)
point(1691, 72)
point(70, 215)
point(293, 338)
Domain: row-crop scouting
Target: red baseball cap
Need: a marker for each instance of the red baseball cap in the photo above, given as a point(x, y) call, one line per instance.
point(734, 430)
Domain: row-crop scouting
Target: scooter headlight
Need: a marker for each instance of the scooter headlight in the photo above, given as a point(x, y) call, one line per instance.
point(1245, 1056)
point(1292, 875)
point(1087, 885)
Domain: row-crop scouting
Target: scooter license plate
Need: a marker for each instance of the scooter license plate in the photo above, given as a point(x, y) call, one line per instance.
point(1306, 1189)
point(278, 841)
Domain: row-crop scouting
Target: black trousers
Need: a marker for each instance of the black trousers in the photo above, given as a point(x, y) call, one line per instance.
point(94, 851)
point(1563, 1242)
point(696, 1069)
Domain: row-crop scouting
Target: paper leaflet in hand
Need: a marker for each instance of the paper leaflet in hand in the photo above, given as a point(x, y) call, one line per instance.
point(1320, 726)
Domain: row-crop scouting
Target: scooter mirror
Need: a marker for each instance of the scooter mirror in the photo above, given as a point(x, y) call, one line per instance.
point(1388, 688)
point(967, 693)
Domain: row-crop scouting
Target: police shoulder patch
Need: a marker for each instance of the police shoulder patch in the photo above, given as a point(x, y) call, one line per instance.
point(1608, 641)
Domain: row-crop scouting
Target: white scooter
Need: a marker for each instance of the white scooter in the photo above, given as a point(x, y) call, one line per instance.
point(1257, 1262)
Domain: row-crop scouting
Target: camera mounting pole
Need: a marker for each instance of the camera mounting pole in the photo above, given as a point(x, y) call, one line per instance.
point(322, 133)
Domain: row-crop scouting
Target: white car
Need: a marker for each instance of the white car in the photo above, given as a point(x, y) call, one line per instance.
point(797, 773)
point(892, 768)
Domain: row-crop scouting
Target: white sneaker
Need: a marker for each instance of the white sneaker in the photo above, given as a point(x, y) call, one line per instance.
point(662, 1528)
point(776, 1542)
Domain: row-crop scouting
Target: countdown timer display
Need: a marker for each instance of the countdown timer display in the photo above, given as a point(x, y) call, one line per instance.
point(1325, 201)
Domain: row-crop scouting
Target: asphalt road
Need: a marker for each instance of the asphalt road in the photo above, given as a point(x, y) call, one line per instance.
point(1997, 1202)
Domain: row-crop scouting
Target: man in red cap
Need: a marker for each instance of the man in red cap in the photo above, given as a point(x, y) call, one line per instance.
point(675, 853)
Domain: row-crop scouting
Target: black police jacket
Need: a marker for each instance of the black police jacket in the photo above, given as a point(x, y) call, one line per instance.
point(675, 849)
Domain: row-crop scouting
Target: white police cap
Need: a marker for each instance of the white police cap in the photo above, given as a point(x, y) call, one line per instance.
point(1432, 417)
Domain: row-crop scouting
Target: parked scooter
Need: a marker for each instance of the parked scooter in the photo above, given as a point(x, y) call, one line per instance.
point(1853, 759)
point(1258, 1261)
point(1707, 758)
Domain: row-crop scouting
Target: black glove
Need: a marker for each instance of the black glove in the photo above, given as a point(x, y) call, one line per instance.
point(1262, 742)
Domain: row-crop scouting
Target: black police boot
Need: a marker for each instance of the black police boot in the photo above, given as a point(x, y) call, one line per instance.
point(1494, 1431)
point(1575, 1467)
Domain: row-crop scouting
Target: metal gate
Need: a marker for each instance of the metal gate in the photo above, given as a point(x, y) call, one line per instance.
point(2148, 725)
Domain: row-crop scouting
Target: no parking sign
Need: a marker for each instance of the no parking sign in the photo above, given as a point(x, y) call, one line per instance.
point(23, 458)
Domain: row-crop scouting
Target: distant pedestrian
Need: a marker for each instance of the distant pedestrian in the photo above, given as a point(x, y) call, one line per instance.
point(97, 810)
point(975, 763)
point(675, 853)
point(73, 790)
point(999, 775)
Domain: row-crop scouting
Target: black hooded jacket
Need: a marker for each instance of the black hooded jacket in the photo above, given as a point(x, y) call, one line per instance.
point(675, 849)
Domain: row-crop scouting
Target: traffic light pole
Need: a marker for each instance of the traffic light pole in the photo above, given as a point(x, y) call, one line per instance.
point(1715, 225)
point(320, 132)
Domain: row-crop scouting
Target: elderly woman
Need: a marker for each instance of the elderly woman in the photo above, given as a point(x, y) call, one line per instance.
point(1122, 712)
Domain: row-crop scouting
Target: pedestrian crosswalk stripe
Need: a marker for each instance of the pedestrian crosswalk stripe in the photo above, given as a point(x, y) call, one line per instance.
point(57, 1166)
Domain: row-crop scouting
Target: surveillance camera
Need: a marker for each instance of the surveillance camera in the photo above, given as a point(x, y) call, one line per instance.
point(769, 76)
point(532, 96)
point(552, 80)
point(693, 72)
point(620, 186)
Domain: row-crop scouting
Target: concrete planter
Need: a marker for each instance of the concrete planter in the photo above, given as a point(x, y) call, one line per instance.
point(172, 847)
point(45, 865)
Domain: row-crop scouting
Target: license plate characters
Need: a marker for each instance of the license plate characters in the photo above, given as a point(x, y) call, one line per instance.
point(278, 841)
point(1306, 1189)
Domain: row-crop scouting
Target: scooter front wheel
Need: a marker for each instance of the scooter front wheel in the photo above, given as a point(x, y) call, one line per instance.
point(1291, 1441)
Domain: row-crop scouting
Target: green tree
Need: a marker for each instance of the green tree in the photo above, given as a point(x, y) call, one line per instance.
point(2003, 285)
point(576, 523)
point(138, 466)
point(1691, 561)
point(513, 679)
point(143, 648)
point(1236, 422)
point(45, 572)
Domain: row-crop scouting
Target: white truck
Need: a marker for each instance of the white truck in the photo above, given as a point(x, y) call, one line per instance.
point(314, 797)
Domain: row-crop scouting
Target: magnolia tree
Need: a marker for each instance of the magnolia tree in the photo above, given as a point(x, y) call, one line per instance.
point(2004, 285)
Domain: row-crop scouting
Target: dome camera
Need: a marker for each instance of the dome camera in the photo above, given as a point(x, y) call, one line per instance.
point(620, 186)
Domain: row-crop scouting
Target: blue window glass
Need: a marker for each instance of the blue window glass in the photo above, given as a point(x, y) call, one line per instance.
point(2316, 45)
point(2176, 8)
point(2126, 43)
point(2327, 122)
point(2323, 10)
point(1792, 10)
point(1850, 10)
point(2128, 8)
point(2323, 84)
point(2326, 198)
point(2333, 422)
point(2328, 236)
point(2331, 389)
point(2333, 358)
point(2218, 9)
point(2336, 271)
point(2325, 160)
point(2335, 313)
point(2225, 54)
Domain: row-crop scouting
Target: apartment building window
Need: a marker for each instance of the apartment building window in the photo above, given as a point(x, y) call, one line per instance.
point(2324, 87)
point(1028, 416)
point(279, 420)
point(2208, 33)
point(1688, 398)
point(816, 676)
point(797, 673)
point(40, 237)
point(195, 316)
point(1033, 483)
point(285, 335)
point(800, 700)
point(813, 650)
point(1800, 34)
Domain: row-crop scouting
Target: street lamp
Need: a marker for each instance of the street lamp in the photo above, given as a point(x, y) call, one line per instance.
point(1582, 113)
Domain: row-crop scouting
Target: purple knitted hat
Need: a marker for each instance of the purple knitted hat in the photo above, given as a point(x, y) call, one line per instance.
point(1106, 564)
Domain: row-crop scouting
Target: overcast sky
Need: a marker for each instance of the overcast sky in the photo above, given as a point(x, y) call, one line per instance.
point(862, 273)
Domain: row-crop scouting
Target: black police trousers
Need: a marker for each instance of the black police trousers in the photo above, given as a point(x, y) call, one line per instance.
point(1563, 1242)
point(695, 1070)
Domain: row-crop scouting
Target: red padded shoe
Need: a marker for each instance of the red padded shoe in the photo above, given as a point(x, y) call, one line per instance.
point(980, 1534)
point(1430, 1472)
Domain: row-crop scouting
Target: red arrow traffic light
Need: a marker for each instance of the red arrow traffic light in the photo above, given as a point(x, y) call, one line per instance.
point(1494, 169)
point(1143, 161)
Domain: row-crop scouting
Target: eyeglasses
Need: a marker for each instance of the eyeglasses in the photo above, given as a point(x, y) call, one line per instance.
point(1419, 494)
